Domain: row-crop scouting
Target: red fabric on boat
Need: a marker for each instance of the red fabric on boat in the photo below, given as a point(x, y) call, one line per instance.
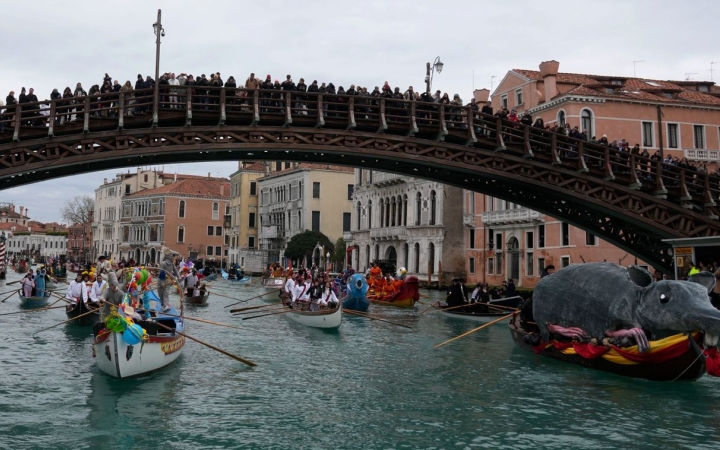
point(589, 351)
point(656, 356)
point(712, 361)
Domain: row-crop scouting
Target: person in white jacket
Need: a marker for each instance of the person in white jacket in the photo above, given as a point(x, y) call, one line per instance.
point(97, 289)
point(328, 298)
point(301, 293)
point(77, 290)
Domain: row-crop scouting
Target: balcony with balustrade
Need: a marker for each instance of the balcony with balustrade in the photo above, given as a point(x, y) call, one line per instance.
point(388, 234)
point(469, 220)
point(512, 216)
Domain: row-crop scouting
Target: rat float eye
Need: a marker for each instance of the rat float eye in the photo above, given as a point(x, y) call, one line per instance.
point(664, 298)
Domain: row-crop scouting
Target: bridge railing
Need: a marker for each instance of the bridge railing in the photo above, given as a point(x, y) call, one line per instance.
point(430, 120)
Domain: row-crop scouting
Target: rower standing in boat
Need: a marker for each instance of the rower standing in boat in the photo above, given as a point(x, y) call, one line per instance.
point(167, 266)
point(458, 294)
point(97, 289)
point(76, 290)
point(40, 283)
point(113, 295)
point(190, 283)
point(28, 284)
point(289, 288)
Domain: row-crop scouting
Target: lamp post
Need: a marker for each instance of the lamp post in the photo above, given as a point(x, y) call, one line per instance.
point(159, 32)
point(327, 259)
point(430, 72)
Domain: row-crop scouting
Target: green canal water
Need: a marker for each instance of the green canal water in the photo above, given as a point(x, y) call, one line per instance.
point(370, 385)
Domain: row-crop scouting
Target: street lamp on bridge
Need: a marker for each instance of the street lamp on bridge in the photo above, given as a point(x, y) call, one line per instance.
point(159, 32)
point(430, 71)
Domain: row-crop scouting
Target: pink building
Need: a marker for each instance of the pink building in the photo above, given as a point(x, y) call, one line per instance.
point(186, 216)
point(680, 118)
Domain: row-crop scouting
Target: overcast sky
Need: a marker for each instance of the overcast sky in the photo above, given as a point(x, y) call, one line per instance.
point(53, 44)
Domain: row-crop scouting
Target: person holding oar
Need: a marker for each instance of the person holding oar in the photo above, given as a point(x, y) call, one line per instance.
point(77, 290)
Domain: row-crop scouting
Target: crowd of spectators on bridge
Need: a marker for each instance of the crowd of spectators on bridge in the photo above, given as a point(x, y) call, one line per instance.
point(172, 92)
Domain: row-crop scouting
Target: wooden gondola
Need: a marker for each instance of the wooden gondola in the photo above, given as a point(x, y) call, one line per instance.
point(200, 300)
point(481, 312)
point(33, 302)
point(687, 361)
point(80, 308)
point(322, 318)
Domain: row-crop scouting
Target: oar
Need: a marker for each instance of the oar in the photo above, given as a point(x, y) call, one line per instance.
point(427, 309)
point(66, 321)
point(501, 307)
point(235, 357)
point(203, 320)
point(31, 310)
point(11, 294)
point(246, 300)
point(270, 314)
point(270, 305)
point(12, 282)
point(475, 329)
point(240, 310)
point(368, 316)
point(275, 308)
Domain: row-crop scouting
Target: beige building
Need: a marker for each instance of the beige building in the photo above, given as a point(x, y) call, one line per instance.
point(316, 197)
point(242, 237)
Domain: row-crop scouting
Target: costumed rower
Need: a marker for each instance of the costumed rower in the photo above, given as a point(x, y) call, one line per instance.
point(97, 289)
point(40, 283)
point(112, 296)
point(166, 267)
point(76, 290)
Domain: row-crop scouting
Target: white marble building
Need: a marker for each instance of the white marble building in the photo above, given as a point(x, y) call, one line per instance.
point(412, 223)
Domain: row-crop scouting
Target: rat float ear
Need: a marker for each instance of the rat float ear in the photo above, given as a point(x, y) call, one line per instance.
point(706, 279)
point(640, 276)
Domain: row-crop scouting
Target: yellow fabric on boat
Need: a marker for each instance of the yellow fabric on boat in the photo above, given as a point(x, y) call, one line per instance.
point(617, 358)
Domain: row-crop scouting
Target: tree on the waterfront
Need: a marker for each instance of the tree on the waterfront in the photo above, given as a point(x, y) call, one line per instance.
point(78, 209)
point(303, 244)
point(339, 255)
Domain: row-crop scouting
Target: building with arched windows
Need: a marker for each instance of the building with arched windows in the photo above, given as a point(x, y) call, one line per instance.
point(186, 216)
point(406, 222)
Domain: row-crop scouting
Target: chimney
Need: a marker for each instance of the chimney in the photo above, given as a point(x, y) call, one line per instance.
point(104, 180)
point(209, 175)
point(22, 208)
point(549, 71)
point(27, 212)
point(222, 189)
point(481, 95)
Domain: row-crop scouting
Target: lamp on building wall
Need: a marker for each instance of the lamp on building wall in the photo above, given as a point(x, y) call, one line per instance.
point(430, 72)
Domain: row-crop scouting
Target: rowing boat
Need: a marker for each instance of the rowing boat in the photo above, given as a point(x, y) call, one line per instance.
point(78, 309)
point(273, 283)
point(33, 302)
point(481, 312)
point(404, 297)
point(324, 318)
point(677, 357)
point(123, 355)
point(199, 300)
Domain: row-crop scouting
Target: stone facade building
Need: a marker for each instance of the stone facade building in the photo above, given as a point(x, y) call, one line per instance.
point(407, 222)
point(301, 197)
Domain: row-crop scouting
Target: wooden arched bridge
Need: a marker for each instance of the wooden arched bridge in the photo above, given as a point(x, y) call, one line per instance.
point(628, 200)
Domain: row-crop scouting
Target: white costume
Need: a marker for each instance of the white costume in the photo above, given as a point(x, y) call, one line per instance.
point(301, 292)
point(97, 289)
point(328, 297)
point(77, 290)
point(290, 286)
